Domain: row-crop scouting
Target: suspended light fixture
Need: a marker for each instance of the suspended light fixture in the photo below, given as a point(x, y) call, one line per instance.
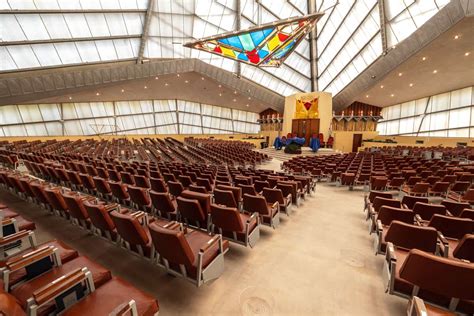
point(266, 45)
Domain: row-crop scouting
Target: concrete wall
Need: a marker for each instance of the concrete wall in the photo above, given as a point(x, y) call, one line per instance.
point(324, 106)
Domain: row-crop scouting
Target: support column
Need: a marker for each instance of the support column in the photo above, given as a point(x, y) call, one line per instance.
point(313, 49)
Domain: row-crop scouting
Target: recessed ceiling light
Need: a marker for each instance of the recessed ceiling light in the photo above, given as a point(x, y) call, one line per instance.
point(392, 95)
point(145, 87)
point(220, 86)
point(156, 78)
point(166, 84)
point(435, 71)
point(367, 96)
point(177, 75)
point(456, 36)
point(411, 84)
point(467, 54)
point(97, 93)
point(202, 78)
point(400, 74)
point(70, 98)
point(381, 87)
point(249, 98)
point(247, 105)
point(424, 58)
point(235, 91)
point(122, 90)
point(186, 81)
point(220, 94)
point(235, 100)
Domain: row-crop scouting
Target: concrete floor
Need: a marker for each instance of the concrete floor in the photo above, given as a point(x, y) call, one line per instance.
point(319, 261)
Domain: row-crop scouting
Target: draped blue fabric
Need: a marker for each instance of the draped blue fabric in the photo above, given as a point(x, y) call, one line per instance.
point(278, 144)
point(314, 144)
point(297, 140)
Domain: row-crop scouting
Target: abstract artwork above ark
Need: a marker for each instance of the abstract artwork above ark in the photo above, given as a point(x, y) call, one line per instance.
point(266, 45)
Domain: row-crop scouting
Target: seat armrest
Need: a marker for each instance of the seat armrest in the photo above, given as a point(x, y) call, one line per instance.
point(29, 258)
point(172, 225)
point(4, 241)
point(419, 220)
point(391, 256)
point(252, 217)
point(288, 197)
point(60, 285)
point(417, 307)
point(112, 207)
point(209, 243)
point(275, 205)
point(379, 226)
point(405, 206)
point(128, 308)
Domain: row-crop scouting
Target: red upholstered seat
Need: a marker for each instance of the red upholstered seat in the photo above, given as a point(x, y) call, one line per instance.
point(24, 291)
point(112, 294)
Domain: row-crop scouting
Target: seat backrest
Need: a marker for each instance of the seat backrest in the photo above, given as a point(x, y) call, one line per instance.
point(260, 185)
point(142, 181)
point(171, 245)
point(452, 227)
point(190, 209)
point(380, 201)
point(158, 185)
point(469, 195)
point(465, 248)
point(410, 236)
point(273, 195)
point(99, 216)
point(455, 208)
point(236, 191)
point(129, 228)
point(197, 188)
point(387, 214)
point(467, 213)
point(454, 279)
point(374, 194)
point(224, 197)
point(248, 189)
point(119, 190)
point(420, 187)
point(203, 199)
point(55, 198)
point(139, 195)
point(227, 218)
point(410, 200)
point(254, 203)
point(175, 188)
point(427, 210)
point(75, 205)
point(162, 202)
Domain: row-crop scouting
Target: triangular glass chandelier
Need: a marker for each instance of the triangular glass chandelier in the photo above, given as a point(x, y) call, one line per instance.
point(266, 45)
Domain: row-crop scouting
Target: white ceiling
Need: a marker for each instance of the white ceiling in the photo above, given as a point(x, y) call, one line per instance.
point(445, 55)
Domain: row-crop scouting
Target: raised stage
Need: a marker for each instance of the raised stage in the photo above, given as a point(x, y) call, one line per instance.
point(305, 151)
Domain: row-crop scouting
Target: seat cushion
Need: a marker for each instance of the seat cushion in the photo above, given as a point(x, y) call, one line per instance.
point(24, 224)
point(400, 284)
point(25, 290)
point(436, 311)
point(9, 305)
point(112, 294)
point(7, 213)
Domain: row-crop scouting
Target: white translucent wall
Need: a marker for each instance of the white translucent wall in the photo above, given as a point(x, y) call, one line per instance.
point(449, 114)
point(124, 117)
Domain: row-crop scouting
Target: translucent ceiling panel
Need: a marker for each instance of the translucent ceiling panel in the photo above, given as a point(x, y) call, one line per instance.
point(405, 17)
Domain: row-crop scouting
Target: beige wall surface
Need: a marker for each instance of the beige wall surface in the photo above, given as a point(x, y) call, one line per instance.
point(324, 107)
point(343, 140)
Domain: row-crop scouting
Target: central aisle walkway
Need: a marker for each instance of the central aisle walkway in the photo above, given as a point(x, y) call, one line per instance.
point(319, 261)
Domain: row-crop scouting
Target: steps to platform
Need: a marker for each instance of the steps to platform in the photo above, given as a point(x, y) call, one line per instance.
point(305, 151)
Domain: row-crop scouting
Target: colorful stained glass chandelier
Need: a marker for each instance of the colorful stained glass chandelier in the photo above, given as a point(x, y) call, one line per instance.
point(266, 45)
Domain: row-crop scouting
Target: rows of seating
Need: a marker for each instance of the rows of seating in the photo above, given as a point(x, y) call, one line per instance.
point(428, 249)
point(134, 203)
point(233, 153)
point(51, 278)
point(411, 175)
